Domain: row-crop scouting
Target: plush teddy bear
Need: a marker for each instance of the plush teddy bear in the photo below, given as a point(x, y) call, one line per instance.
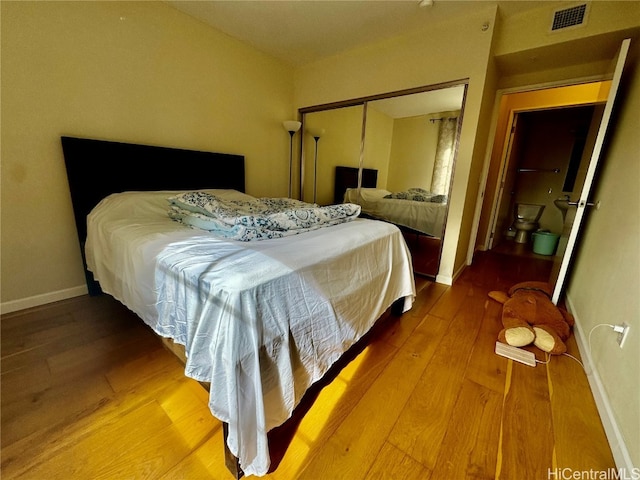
point(529, 316)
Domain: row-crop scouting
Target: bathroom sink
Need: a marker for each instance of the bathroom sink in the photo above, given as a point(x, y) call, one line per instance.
point(562, 203)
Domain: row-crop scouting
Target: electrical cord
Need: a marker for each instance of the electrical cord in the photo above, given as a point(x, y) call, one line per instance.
point(571, 356)
point(548, 359)
point(547, 356)
point(616, 328)
point(596, 326)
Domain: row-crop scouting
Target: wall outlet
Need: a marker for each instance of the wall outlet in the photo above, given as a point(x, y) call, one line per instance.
point(622, 336)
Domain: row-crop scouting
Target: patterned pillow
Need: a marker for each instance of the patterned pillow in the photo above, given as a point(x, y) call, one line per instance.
point(418, 195)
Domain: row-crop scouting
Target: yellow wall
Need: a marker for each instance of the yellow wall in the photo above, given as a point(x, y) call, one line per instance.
point(531, 30)
point(140, 72)
point(338, 146)
point(413, 153)
point(377, 144)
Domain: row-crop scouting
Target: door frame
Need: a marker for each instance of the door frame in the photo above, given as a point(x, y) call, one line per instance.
point(511, 138)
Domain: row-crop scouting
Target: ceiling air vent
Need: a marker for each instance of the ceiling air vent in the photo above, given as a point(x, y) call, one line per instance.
point(569, 17)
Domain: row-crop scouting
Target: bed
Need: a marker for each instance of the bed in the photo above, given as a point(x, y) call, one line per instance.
point(260, 321)
point(414, 209)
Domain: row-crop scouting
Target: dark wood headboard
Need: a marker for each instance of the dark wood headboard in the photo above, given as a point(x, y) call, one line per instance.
point(98, 168)
point(347, 177)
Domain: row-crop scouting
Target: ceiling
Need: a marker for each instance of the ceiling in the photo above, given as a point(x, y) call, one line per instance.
point(304, 31)
point(432, 101)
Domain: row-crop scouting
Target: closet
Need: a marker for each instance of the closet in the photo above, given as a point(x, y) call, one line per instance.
point(394, 154)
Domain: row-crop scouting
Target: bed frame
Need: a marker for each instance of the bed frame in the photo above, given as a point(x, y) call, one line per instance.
point(98, 168)
point(347, 177)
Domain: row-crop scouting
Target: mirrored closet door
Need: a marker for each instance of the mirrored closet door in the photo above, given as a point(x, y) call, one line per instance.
point(394, 155)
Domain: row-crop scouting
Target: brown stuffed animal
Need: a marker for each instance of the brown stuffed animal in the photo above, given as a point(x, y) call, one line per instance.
point(529, 316)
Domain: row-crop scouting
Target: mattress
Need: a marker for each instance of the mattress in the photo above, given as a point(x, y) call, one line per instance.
point(260, 321)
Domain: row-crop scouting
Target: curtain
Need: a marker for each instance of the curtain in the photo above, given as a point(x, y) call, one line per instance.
point(443, 165)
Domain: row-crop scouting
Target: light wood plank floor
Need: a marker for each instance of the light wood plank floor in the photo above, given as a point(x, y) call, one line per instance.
point(88, 392)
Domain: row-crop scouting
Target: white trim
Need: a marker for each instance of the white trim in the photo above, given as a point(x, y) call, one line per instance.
point(448, 280)
point(38, 300)
point(475, 226)
point(616, 441)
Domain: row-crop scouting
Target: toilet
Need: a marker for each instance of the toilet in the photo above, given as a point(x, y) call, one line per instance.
point(526, 216)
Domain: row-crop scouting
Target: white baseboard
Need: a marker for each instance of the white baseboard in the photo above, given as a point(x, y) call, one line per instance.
point(37, 300)
point(448, 280)
point(616, 441)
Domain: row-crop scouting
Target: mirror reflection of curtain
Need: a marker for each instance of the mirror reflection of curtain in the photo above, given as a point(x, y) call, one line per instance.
point(443, 165)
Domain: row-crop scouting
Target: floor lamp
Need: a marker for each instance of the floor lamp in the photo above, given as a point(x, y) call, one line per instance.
point(292, 127)
point(316, 133)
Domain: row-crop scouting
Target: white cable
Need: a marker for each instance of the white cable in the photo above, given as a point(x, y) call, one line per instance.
point(565, 354)
point(596, 326)
point(547, 356)
point(571, 356)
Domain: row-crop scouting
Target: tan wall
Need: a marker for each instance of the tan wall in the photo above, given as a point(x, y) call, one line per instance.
point(131, 71)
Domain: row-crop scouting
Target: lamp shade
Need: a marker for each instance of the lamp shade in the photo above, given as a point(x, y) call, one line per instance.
point(316, 132)
point(291, 126)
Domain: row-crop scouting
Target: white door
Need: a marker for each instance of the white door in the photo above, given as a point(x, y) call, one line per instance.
point(561, 269)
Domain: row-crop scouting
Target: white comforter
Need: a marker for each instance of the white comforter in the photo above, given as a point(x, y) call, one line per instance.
point(260, 321)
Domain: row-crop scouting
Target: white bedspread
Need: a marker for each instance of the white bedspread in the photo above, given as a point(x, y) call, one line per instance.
point(425, 217)
point(260, 321)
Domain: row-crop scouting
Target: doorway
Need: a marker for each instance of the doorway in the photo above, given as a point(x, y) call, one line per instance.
point(496, 214)
point(546, 165)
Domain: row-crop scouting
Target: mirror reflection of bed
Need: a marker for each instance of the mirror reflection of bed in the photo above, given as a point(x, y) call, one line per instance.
point(418, 213)
point(402, 148)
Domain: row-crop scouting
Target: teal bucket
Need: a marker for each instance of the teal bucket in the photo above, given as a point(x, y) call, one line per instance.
point(545, 243)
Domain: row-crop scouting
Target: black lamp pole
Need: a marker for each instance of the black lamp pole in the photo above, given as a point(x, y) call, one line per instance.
point(291, 134)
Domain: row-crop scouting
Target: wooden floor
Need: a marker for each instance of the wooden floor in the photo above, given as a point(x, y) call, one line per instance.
point(88, 392)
